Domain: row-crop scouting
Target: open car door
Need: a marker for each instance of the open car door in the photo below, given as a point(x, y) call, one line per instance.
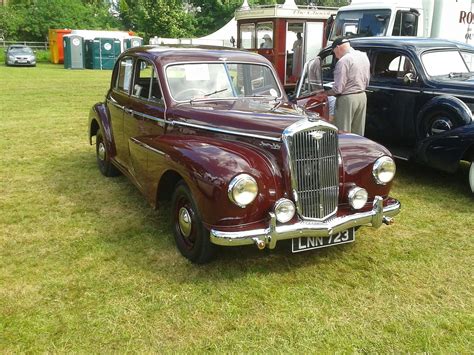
point(310, 90)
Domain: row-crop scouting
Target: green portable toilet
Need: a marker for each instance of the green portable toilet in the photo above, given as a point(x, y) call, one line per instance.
point(88, 53)
point(132, 42)
point(73, 52)
point(104, 52)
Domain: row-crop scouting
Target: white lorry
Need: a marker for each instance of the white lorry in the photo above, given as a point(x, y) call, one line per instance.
point(449, 19)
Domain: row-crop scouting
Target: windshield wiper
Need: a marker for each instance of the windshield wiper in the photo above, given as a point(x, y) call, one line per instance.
point(216, 92)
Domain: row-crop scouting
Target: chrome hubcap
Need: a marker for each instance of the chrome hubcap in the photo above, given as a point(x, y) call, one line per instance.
point(184, 221)
point(441, 125)
point(471, 176)
point(101, 151)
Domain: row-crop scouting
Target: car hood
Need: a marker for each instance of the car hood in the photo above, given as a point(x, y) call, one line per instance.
point(262, 117)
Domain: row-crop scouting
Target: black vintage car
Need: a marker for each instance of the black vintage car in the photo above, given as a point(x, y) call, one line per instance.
point(420, 100)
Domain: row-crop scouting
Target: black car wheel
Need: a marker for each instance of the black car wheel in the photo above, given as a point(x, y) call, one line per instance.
point(103, 160)
point(192, 239)
point(437, 122)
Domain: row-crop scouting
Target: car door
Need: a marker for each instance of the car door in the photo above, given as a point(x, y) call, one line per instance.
point(117, 101)
point(310, 91)
point(392, 98)
point(145, 121)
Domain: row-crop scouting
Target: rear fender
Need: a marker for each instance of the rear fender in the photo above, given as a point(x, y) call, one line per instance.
point(208, 165)
point(452, 104)
point(99, 118)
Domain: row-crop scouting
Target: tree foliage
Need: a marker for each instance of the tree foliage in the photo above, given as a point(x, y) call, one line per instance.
point(31, 19)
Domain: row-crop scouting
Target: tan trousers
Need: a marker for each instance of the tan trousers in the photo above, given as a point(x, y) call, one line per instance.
point(350, 113)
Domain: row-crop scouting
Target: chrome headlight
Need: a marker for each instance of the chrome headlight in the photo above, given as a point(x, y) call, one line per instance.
point(243, 189)
point(11, 58)
point(384, 170)
point(284, 210)
point(358, 197)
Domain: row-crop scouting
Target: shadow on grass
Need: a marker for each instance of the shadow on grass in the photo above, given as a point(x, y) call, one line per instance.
point(139, 236)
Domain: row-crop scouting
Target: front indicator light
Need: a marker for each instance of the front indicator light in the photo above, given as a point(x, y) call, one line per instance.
point(358, 197)
point(284, 210)
point(384, 170)
point(243, 189)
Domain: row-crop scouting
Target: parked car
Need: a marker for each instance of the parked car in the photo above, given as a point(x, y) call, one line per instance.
point(420, 100)
point(20, 55)
point(212, 131)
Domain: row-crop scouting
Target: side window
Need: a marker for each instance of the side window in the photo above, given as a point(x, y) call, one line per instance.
point(392, 66)
point(327, 66)
point(247, 36)
point(124, 77)
point(406, 24)
point(145, 85)
point(265, 35)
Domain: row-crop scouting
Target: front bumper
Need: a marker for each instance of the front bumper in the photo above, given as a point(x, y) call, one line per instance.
point(273, 233)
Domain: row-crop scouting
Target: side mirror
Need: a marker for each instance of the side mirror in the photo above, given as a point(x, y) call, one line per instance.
point(409, 78)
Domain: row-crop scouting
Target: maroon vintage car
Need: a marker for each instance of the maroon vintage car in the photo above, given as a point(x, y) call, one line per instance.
point(213, 131)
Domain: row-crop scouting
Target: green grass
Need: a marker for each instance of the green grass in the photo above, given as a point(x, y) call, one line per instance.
point(87, 266)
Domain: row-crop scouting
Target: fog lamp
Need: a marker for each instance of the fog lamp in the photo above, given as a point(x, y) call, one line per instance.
point(284, 210)
point(242, 190)
point(358, 197)
point(384, 170)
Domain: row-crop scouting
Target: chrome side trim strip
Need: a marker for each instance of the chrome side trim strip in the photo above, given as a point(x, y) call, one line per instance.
point(144, 145)
point(112, 102)
point(152, 118)
point(227, 131)
point(394, 89)
point(274, 232)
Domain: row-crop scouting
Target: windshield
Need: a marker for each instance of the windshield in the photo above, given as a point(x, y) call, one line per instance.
point(362, 23)
point(220, 80)
point(447, 62)
point(20, 50)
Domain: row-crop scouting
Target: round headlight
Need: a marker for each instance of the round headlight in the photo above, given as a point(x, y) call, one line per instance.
point(242, 190)
point(384, 170)
point(284, 210)
point(358, 197)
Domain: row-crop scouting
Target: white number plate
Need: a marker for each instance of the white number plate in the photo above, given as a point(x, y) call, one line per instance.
point(309, 243)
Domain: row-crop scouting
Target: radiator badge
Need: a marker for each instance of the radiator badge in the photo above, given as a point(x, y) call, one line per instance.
point(317, 134)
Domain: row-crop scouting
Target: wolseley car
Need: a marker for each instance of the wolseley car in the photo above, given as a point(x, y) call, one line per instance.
point(420, 100)
point(20, 55)
point(212, 131)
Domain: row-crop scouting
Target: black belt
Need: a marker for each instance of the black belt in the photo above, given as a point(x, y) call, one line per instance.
point(350, 93)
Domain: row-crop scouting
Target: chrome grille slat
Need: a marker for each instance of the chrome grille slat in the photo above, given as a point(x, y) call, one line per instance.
point(314, 169)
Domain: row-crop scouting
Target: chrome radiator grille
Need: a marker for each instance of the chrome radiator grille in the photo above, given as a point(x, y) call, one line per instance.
point(314, 169)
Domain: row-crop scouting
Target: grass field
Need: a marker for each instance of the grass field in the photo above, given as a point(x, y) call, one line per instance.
point(87, 266)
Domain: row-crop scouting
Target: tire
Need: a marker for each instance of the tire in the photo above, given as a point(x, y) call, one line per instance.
point(437, 122)
point(471, 176)
point(103, 160)
point(192, 239)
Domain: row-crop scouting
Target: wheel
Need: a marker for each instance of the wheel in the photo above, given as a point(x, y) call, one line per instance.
point(192, 239)
point(438, 122)
point(187, 94)
point(103, 160)
point(471, 176)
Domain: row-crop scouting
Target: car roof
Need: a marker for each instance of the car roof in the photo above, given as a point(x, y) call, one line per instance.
point(419, 44)
point(183, 53)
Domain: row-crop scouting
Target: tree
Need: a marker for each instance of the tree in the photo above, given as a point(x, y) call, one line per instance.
point(162, 18)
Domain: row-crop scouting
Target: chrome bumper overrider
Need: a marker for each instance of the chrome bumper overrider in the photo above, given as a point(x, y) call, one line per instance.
point(269, 236)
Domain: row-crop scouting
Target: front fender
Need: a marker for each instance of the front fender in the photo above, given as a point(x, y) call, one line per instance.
point(358, 157)
point(208, 165)
point(444, 151)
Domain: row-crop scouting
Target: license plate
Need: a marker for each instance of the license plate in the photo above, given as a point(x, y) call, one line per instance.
point(22, 61)
point(310, 243)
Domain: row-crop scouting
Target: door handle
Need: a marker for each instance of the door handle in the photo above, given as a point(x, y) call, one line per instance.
point(128, 111)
